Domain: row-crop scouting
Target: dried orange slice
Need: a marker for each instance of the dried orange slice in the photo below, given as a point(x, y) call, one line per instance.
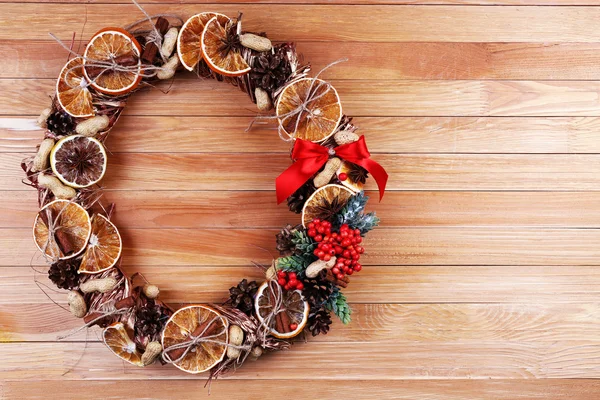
point(323, 109)
point(325, 203)
point(71, 226)
point(292, 316)
point(72, 90)
point(189, 47)
point(117, 339)
point(78, 161)
point(218, 53)
point(188, 323)
point(110, 46)
point(355, 176)
point(104, 247)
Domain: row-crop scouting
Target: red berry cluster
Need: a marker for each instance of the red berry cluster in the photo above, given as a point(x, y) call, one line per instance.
point(289, 280)
point(344, 245)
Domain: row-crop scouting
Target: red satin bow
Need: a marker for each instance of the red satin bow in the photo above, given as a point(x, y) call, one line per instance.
point(310, 157)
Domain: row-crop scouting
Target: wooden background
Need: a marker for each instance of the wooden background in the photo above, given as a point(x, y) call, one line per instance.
point(484, 279)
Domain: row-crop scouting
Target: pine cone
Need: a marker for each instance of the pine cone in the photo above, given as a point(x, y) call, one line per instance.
point(270, 71)
point(319, 321)
point(242, 296)
point(285, 246)
point(60, 123)
point(317, 290)
point(149, 320)
point(296, 201)
point(64, 274)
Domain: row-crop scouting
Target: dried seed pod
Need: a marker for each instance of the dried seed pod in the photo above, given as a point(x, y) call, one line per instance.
point(256, 352)
point(42, 119)
point(91, 126)
point(77, 304)
point(150, 291)
point(168, 69)
point(313, 269)
point(103, 285)
point(169, 42)
point(255, 42)
point(58, 189)
point(153, 350)
point(263, 100)
point(42, 158)
point(345, 137)
point(236, 338)
point(324, 177)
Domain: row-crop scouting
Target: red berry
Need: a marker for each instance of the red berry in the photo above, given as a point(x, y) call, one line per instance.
point(311, 232)
point(292, 275)
point(345, 269)
point(332, 252)
point(293, 283)
point(281, 274)
point(293, 326)
point(358, 239)
point(340, 276)
point(357, 267)
point(326, 257)
point(311, 225)
point(318, 238)
point(316, 252)
point(338, 250)
point(321, 254)
point(334, 235)
point(357, 232)
point(347, 262)
point(346, 243)
point(325, 247)
point(321, 229)
point(281, 281)
point(344, 234)
point(335, 270)
point(346, 253)
point(360, 249)
point(287, 286)
point(300, 286)
point(350, 272)
point(316, 221)
point(339, 264)
point(343, 176)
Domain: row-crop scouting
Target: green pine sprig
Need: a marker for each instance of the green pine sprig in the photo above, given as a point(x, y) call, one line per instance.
point(338, 304)
point(353, 214)
point(305, 244)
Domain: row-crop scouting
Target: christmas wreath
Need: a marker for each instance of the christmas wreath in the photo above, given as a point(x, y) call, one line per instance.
point(73, 228)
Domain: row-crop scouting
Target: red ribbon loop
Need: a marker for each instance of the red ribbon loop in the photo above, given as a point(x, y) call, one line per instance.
point(310, 157)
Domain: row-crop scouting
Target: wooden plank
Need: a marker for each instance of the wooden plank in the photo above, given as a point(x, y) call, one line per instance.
point(406, 246)
point(507, 135)
point(225, 209)
point(352, 22)
point(393, 361)
point(562, 284)
point(184, 172)
point(451, 389)
point(372, 61)
point(359, 98)
point(539, 323)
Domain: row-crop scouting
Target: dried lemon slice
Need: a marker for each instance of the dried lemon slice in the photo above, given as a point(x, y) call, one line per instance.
point(108, 46)
point(104, 246)
point(117, 339)
point(290, 319)
point(72, 90)
point(188, 323)
point(71, 229)
point(189, 47)
point(78, 161)
point(325, 203)
point(320, 116)
point(218, 53)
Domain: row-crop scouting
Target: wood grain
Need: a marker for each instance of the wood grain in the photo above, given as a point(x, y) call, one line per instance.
point(534, 284)
point(407, 246)
point(392, 361)
point(509, 135)
point(422, 98)
point(451, 389)
point(193, 209)
point(293, 22)
point(381, 60)
point(384, 323)
point(486, 115)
